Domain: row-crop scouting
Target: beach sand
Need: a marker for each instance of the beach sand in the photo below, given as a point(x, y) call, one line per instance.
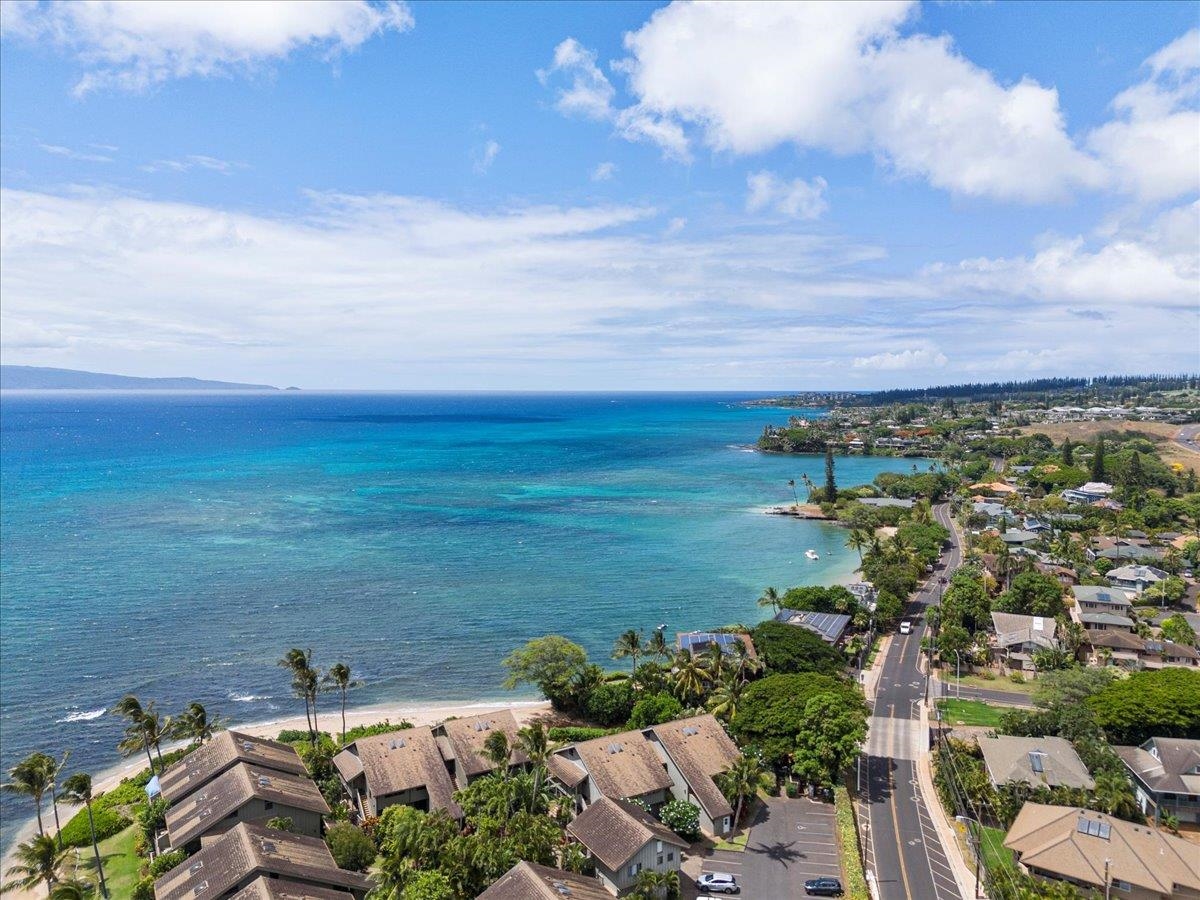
point(330, 721)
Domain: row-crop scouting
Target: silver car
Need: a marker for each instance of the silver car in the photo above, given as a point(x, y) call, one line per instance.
point(718, 883)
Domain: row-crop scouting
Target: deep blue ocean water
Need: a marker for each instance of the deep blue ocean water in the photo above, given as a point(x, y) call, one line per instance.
point(175, 545)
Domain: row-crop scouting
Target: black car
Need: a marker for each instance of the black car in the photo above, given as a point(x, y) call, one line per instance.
point(823, 887)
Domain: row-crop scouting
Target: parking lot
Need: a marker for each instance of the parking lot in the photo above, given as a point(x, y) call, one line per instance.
point(790, 842)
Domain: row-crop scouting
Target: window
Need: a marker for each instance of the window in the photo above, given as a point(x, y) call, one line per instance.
point(1122, 885)
point(268, 805)
point(658, 846)
point(634, 869)
point(660, 859)
point(671, 856)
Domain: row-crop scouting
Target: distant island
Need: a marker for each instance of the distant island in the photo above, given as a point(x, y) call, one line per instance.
point(41, 378)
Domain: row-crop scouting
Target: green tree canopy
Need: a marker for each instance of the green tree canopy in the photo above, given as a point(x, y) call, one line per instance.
point(1032, 594)
point(1162, 703)
point(815, 598)
point(1176, 628)
point(773, 709)
point(1070, 687)
point(550, 662)
point(830, 736)
point(654, 710)
point(789, 649)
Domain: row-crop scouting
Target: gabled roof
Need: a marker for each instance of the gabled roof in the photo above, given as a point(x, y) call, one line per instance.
point(827, 626)
point(467, 736)
point(1018, 537)
point(623, 765)
point(614, 831)
point(1049, 761)
point(1136, 573)
point(1103, 618)
point(200, 811)
point(1074, 843)
point(400, 761)
point(701, 750)
point(1013, 629)
point(1165, 765)
point(1087, 593)
point(267, 888)
point(529, 881)
point(226, 749)
point(1116, 640)
point(248, 850)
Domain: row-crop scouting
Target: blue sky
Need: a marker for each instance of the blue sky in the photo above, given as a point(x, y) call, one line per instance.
point(601, 196)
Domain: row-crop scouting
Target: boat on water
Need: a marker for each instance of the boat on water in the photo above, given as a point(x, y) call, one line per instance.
point(812, 554)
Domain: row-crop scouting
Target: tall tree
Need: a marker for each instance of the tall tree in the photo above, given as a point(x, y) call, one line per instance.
point(37, 861)
point(305, 683)
point(339, 676)
point(830, 481)
point(31, 778)
point(497, 750)
point(741, 782)
point(689, 677)
point(629, 644)
point(55, 769)
point(131, 709)
point(1098, 471)
point(770, 597)
point(1068, 452)
point(534, 741)
point(657, 646)
point(195, 724)
point(78, 789)
point(858, 540)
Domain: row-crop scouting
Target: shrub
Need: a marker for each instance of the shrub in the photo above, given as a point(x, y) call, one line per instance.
point(654, 710)
point(610, 703)
point(989, 675)
point(570, 734)
point(128, 793)
point(282, 823)
point(165, 862)
point(683, 818)
point(144, 889)
point(350, 846)
point(1016, 678)
point(856, 882)
point(301, 736)
point(384, 727)
point(76, 832)
point(793, 789)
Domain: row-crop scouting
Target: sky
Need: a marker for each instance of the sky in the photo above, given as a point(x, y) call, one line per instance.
point(600, 196)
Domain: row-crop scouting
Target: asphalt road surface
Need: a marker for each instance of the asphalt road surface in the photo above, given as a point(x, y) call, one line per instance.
point(1189, 438)
point(903, 849)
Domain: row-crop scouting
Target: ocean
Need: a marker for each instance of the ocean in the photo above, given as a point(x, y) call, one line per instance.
point(175, 545)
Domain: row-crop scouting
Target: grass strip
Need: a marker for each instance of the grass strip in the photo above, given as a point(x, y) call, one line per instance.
point(855, 880)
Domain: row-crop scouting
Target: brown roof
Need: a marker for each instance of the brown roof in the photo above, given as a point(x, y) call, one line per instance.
point(248, 850)
point(614, 831)
point(529, 881)
point(1049, 761)
point(400, 761)
point(266, 888)
point(1170, 765)
point(200, 811)
point(623, 765)
point(569, 773)
point(1074, 843)
point(467, 736)
point(1115, 640)
point(702, 750)
point(225, 749)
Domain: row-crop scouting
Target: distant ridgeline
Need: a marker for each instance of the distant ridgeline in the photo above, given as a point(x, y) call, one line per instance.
point(40, 378)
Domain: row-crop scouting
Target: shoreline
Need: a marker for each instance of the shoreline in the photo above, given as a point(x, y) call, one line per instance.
point(418, 713)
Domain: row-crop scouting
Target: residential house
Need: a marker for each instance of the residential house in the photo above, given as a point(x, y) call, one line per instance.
point(1166, 777)
point(225, 750)
point(461, 743)
point(864, 592)
point(1135, 578)
point(1018, 636)
point(1019, 538)
point(624, 766)
point(530, 881)
point(1160, 654)
point(403, 767)
point(245, 793)
point(247, 853)
point(1098, 853)
point(699, 641)
point(1102, 621)
point(265, 887)
point(996, 513)
point(1095, 599)
point(829, 627)
point(623, 841)
point(1064, 575)
point(1037, 761)
point(994, 489)
point(1091, 492)
point(879, 502)
point(695, 751)
point(1115, 648)
point(1127, 551)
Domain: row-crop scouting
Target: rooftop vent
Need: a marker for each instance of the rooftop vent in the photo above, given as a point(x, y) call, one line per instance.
point(1036, 761)
point(614, 747)
point(268, 846)
point(482, 726)
point(561, 889)
point(691, 730)
point(264, 781)
point(248, 746)
point(398, 743)
point(1094, 827)
point(200, 888)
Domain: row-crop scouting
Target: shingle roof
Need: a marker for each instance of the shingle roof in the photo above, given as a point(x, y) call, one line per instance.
point(623, 765)
point(1088, 593)
point(614, 831)
point(1019, 759)
point(529, 881)
point(828, 626)
point(467, 736)
point(267, 888)
point(702, 750)
point(1070, 842)
point(1115, 640)
point(570, 773)
point(225, 749)
point(400, 761)
point(1136, 573)
point(247, 850)
point(1100, 618)
point(200, 811)
point(1165, 765)
point(1014, 628)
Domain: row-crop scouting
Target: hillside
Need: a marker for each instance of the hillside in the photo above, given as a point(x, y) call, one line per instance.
point(39, 378)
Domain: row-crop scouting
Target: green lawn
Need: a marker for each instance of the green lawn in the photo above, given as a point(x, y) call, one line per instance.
point(121, 864)
point(969, 712)
point(737, 845)
point(995, 855)
point(992, 684)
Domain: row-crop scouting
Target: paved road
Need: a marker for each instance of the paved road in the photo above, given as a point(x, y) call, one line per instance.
point(1189, 438)
point(903, 849)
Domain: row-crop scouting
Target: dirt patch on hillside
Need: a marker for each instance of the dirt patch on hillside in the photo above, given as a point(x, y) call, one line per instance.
point(1163, 433)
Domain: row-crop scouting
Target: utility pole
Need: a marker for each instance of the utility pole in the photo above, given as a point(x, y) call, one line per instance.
point(1107, 883)
point(978, 855)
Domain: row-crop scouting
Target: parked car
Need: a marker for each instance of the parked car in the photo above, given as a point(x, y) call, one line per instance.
point(823, 887)
point(906, 627)
point(718, 883)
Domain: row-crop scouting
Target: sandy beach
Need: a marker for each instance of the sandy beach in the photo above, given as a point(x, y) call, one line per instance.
point(330, 721)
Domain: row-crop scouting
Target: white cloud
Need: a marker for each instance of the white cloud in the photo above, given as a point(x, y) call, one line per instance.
point(68, 153)
point(674, 226)
point(135, 44)
point(604, 171)
point(193, 161)
point(484, 157)
point(903, 359)
point(744, 78)
point(1153, 146)
point(798, 199)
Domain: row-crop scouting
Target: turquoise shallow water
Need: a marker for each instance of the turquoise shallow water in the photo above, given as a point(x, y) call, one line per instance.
point(176, 545)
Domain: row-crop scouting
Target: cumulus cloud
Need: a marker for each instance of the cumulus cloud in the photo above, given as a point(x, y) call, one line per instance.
point(604, 171)
point(484, 157)
point(135, 44)
point(903, 359)
point(797, 199)
point(744, 78)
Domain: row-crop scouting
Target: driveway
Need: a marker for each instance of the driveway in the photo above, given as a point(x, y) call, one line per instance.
point(790, 842)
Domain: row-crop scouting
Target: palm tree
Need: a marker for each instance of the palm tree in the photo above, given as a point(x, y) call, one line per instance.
point(657, 646)
point(741, 781)
point(195, 724)
point(534, 741)
point(741, 663)
point(648, 886)
point(131, 708)
point(78, 789)
point(72, 889)
point(714, 661)
point(304, 684)
point(724, 700)
point(31, 777)
point(858, 540)
point(156, 727)
point(37, 860)
point(770, 597)
point(55, 770)
point(497, 750)
point(629, 644)
point(339, 676)
point(689, 676)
